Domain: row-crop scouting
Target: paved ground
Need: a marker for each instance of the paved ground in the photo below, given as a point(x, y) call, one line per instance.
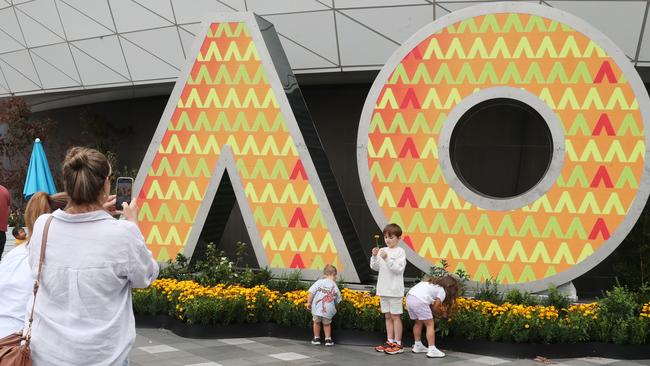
point(161, 347)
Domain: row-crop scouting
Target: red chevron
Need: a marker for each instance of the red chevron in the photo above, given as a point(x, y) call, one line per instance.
point(296, 262)
point(605, 70)
point(298, 169)
point(414, 53)
point(599, 227)
point(602, 176)
point(407, 196)
point(409, 147)
point(298, 216)
point(407, 239)
point(410, 98)
point(603, 123)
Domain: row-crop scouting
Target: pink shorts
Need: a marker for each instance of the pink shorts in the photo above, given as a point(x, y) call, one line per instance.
point(418, 309)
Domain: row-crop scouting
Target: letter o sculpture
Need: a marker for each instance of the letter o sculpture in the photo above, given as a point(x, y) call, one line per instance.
point(596, 108)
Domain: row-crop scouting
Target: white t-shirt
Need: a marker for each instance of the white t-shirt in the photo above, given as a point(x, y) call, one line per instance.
point(83, 313)
point(326, 296)
point(390, 281)
point(428, 292)
point(16, 283)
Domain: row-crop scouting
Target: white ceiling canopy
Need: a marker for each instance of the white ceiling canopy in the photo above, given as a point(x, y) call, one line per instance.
point(53, 45)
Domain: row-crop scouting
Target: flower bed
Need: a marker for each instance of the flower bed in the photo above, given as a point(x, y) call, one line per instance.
point(613, 319)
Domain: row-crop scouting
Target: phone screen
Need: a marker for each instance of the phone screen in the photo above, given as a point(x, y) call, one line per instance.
point(124, 188)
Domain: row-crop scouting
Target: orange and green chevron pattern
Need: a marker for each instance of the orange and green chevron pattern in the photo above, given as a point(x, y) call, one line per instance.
point(603, 127)
point(227, 100)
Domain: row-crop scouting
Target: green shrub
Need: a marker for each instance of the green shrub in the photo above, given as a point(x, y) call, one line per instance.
point(286, 313)
point(489, 291)
point(440, 269)
point(619, 303)
point(348, 317)
point(556, 298)
point(515, 296)
point(150, 301)
point(223, 311)
point(470, 324)
point(643, 294)
point(619, 318)
point(288, 282)
point(215, 268)
point(178, 269)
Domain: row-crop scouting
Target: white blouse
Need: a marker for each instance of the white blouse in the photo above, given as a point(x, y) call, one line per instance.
point(83, 313)
point(16, 283)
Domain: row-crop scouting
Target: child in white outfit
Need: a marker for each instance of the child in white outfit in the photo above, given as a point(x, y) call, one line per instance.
point(390, 263)
point(426, 300)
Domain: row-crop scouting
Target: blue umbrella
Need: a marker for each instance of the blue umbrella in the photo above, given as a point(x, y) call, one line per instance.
point(39, 177)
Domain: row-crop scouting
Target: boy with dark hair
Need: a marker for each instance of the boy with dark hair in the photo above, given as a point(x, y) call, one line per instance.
point(390, 263)
point(19, 235)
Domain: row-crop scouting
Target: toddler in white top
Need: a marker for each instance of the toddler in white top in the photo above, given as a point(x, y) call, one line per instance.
point(390, 263)
point(426, 300)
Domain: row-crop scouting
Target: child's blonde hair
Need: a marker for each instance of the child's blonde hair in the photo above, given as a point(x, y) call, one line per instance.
point(330, 270)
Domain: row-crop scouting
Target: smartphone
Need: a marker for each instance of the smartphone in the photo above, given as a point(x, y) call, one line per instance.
point(124, 189)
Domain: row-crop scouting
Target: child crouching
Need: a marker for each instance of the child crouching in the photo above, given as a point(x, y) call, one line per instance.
point(423, 301)
point(323, 296)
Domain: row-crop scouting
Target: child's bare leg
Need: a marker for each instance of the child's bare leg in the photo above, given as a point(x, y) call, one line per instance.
point(389, 326)
point(397, 326)
point(327, 328)
point(316, 329)
point(417, 331)
point(431, 332)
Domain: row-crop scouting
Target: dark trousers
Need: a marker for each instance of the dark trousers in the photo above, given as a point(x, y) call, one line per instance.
point(3, 240)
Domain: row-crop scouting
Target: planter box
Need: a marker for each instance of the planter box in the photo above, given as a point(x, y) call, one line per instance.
point(362, 338)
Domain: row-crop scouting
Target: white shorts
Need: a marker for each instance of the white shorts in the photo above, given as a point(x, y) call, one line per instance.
point(391, 304)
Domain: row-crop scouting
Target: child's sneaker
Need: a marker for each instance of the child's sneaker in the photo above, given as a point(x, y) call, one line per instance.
point(394, 349)
point(383, 347)
point(435, 353)
point(329, 342)
point(315, 341)
point(419, 348)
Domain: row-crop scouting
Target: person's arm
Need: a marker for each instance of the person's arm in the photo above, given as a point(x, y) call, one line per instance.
point(374, 260)
point(143, 268)
point(312, 290)
point(339, 297)
point(438, 309)
point(398, 263)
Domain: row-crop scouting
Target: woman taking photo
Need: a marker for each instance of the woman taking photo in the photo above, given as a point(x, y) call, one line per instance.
point(83, 313)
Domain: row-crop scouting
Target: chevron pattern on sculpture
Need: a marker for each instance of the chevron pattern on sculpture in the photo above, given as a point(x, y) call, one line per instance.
point(603, 127)
point(227, 100)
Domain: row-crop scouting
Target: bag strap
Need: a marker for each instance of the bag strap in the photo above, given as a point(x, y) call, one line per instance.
point(37, 282)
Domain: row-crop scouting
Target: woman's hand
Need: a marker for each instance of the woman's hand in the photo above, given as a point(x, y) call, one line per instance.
point(130, 211)
point(109, 206)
